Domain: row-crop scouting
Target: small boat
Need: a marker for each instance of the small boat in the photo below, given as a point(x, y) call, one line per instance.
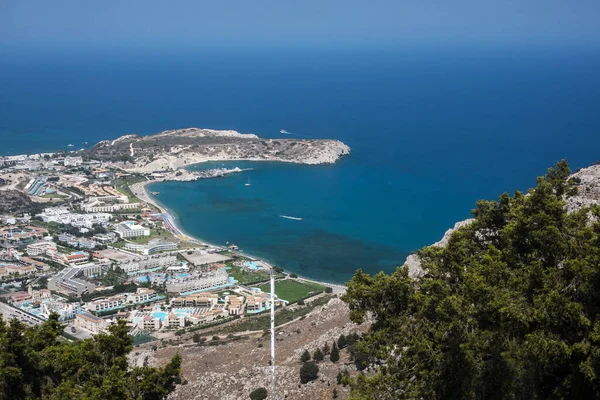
point(283, 131)
point(288, 217)
point(70, 145)
point(248, 183)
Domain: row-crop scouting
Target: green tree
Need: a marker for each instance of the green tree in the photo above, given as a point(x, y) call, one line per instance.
point(339, 378)
point(335, 353)
point(259, 394)
point(342, 343)
point(305, 356)
point(309, 372)
point(34, 364)
point(318, 355)
point(509, 309)
point(326, 349)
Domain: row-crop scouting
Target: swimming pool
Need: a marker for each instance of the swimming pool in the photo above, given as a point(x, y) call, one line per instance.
point(159, 314)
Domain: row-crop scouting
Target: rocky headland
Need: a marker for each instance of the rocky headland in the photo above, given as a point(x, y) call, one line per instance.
point(174, 149)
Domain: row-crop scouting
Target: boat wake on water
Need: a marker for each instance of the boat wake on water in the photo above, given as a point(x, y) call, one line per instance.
point(288, 217)
point(284, 132)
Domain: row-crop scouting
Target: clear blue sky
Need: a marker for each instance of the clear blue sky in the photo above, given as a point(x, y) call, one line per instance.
point(305, 23)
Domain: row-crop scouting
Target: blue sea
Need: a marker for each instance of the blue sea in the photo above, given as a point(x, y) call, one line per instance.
point(431, 132)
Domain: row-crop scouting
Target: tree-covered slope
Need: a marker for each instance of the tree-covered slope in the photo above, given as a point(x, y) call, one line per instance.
point(509, 309)
point(35, 365)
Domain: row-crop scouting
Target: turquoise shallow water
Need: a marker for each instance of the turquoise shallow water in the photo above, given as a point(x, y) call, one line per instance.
point(431, 131)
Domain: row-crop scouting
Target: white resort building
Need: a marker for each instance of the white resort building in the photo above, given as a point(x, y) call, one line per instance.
point(91, 323)
point(148, 263)
point(153, 246)
point(142, 295)
point(69, 282)
point(129, 229)
point(199, 282)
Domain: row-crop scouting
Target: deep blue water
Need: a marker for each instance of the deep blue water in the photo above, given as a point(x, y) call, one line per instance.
point(431, 132)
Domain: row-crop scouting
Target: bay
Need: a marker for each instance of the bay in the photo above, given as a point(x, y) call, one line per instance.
point(431, 131)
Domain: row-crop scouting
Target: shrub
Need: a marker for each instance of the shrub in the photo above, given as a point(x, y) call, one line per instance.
point(301, 302)
point(309, 372)
point(259, 394)
point(293, 276)
point(328, 289)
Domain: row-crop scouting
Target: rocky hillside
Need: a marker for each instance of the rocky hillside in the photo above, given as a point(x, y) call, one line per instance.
point(15, 202)
point(231, 371)
point(178, 148)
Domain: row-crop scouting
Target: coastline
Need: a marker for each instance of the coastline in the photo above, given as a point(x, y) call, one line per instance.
point(140, 189)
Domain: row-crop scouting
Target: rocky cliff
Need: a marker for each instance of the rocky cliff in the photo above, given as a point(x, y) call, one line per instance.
point(178, 148)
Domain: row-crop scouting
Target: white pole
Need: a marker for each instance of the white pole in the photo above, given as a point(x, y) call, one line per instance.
point(273, 395)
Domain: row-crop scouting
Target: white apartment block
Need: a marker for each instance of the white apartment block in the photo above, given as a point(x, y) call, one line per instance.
point(129, 229)
point(150, 262)
point(63, 216)
point(198, 283)
point(150, 324)
point(74, 241)
point(73, 161)
point(69, 282)
point(110, 303)
point(153, 246)
point(40, 248)
point(175, 321)
point(142, 295)
point(91, 323)
point(96, 205)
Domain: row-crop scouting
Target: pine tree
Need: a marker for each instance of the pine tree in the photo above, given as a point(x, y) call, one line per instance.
point(309, 372)
point(305, 356)
point(342, 342)
point(335, 353)
point(318, 355)
point(326, 348)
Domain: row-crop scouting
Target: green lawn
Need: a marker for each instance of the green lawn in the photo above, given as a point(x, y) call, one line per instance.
point(54, 196)
point(292, 290)
point(247, 277)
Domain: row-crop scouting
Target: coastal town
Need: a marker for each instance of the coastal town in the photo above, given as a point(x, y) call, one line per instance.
point(82, 238)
